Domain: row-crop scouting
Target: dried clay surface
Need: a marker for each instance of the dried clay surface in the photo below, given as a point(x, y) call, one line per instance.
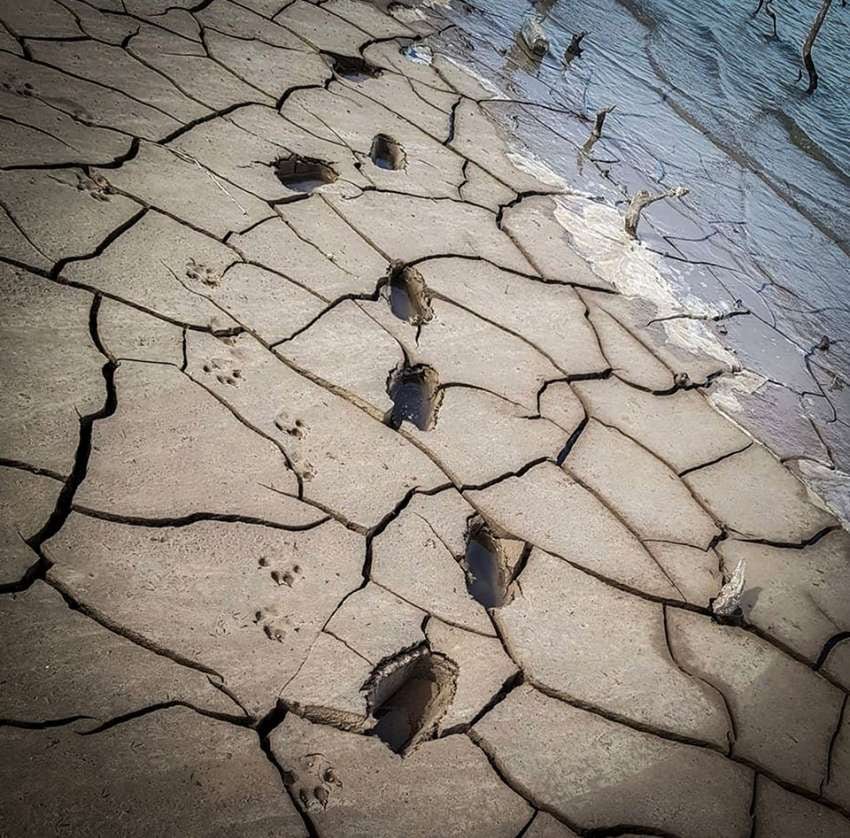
point(340, 495)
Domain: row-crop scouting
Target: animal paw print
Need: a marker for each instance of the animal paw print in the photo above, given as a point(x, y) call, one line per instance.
point(18, 88)
point(202, 273)
point(313, 782)
point(96, 185)
point(225, 371)
point(302, 467)
point(292, 426)
point(276, 626)
point(288, 576)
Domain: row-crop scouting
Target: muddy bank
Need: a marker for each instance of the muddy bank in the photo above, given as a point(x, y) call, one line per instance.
point(357, 468)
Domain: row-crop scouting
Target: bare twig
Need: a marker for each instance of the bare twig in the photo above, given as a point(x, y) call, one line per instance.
point(809, 43)
point(189, 159)
point(643, 199)
point(596, 133)
point(574, 50)
point(768, 8)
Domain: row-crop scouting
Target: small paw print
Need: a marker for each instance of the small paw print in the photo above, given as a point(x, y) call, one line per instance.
point(202, 273)
point(313, 782)
point(303, 468)
point(292, 426)
point(96, 185)
point(288, 576)
point(18, 88)
point(225, 371)
point(276, 626)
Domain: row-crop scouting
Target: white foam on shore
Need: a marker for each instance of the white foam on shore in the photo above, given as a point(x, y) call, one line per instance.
point(407, 14)
point(534, 166)
point(597, 232)
point(724, 391)
point(486, 83)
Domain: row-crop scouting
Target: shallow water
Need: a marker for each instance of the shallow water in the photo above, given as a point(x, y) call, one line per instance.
point(707, 99)
point(669, 66)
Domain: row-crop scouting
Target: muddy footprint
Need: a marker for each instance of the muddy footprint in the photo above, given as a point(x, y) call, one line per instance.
point(387, 153)
point(416, 395)
point(303, 174)
point(353, 68)
point(408, 295)
point(485, 565)
point(407, 695)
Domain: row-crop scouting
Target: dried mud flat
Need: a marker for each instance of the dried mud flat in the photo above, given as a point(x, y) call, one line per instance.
point(340, 496)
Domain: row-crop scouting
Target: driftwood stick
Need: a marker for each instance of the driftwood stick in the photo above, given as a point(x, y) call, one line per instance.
point(574, 50)
point(643, 199)
point(809, 43)
point(596, 133)
point(769, 9)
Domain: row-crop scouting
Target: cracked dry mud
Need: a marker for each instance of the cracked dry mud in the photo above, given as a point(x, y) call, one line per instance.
point(340, 496)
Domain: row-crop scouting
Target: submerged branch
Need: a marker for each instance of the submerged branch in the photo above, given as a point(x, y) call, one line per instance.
point(574, 50)
point(768, 8)
point(643, 199)
point(596, 133)
point(809, 43)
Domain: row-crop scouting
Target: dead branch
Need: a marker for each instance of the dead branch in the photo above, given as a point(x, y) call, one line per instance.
point(596, 133)
point(574, 50)
point(809, 43)
point(768, 8)
point(643, 199)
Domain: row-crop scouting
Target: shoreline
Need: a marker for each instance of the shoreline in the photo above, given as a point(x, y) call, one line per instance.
point(793, 411)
